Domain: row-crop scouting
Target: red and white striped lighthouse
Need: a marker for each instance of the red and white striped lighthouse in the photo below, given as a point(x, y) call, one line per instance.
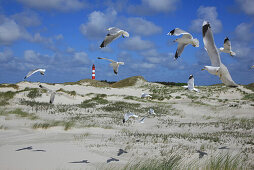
point(93, 72)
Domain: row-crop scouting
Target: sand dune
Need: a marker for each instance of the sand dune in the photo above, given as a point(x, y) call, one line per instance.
point(85, 123)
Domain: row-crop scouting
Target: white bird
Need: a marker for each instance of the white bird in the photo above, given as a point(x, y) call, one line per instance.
point(252, 66)
point(128, 115)
point(53, 93)
point(227, 47)
point(144, 95)
point(191, 84)
point(214, 55)
point(142, 120)
point(42, 71)
point(183, 41)
point(113, 33)
point(114, 64)
point(151, 111)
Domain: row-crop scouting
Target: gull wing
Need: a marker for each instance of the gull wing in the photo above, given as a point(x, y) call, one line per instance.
point(179, 50)
point(31, 73)
point(210, 45)
point(187, 36)
point(115, 67)
point(52, 97)
point(114, 30)
point(227, 44)
point(178, 31)
point(107, 59)
point(225, 76)
point(142, 120)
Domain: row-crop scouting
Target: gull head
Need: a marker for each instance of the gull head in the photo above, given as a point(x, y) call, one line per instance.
point(221, 48)
point(195, 42)
point(191, 76)
point(125, 34)
point(120, 63)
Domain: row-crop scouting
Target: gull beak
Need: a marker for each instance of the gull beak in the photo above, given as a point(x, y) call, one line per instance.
point(202, 69)
point(122, 36)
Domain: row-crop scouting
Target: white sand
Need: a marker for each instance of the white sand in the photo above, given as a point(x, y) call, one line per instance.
point(100, 134)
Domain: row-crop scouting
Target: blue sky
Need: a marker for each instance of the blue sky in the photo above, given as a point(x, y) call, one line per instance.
point(64, 36)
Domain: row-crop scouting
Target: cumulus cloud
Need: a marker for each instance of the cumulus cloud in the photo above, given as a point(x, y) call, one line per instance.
point(81, 58)
point(27, 18)
point(243, 32)
point(136, 44)
point(10, 31)
point(141, 26)
point(149, 7)
point(5, 55)
point(247, 6)
point(209, 14)
point(97, 24)
point(31, 56)
point(59, 5)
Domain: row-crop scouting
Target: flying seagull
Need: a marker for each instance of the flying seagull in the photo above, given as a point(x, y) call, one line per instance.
point(52, 96)
point(142, 120)
point(144, 95)
point(114, 64)
point(183, 41)
point(227, 47)
point(113, 33)
point(128, 115)
point(214, 55)
point(42, 71)
point(121, 151)
point(151, 112)
point(201, 153)
point(112, 159)
point(191, 84)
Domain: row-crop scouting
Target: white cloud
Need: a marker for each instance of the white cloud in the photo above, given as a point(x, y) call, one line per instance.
point(209, 14)
point(59, 37)
point(247, 6)
point(136, 44)
point(149, 7)
point(81, 58)
point(10, 31)
point(27, 18)
point(142, 27)
point(97, 24)
point(59, 5)
point(243, 32)
point(6, 55)
point(31, 56)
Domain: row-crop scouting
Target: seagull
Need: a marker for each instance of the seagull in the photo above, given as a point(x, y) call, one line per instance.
point(201, 153)
point(144, 95)
point(52, 96)
point(42, 71)
point(128, 115)
point(142, 120)
point(214, 55)
point(227, 47)
point(191, 84)
point(112, 159)
point(114, 64)
point(183, 41)
point(113, 33)
point(151, 112)
point(121, 151)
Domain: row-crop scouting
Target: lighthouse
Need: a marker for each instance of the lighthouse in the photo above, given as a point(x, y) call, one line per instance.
point(93, 72)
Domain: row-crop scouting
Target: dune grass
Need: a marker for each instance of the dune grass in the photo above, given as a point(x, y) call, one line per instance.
point(175, 161)
point(72, 93)
point(66, 124)
point(34, 93)
point(5, 97)
point(18, 112)
point(131, 81)
point(9, 85)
